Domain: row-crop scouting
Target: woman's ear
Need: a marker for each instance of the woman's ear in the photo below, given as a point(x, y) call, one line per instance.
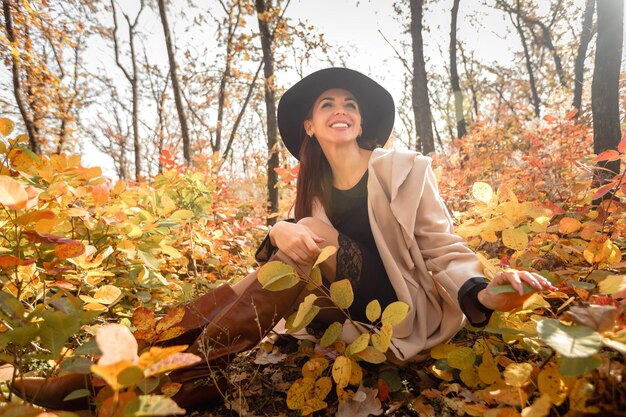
point(307, 127)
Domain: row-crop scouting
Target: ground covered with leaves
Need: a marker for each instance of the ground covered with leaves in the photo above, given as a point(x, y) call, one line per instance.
point(85, 260)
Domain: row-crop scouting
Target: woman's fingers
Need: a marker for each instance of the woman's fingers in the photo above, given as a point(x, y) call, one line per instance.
point(517, 278)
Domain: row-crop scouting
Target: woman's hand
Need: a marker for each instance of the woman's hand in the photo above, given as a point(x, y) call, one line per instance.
point(296, 241)
point(510, 300)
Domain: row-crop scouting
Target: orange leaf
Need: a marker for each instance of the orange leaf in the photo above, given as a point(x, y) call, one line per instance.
point(8, 261)
point(610, 155)
point(143, 319)
point(569, 225)
point(69, 250)
point(383, 390)
point(174, 361)
point(549, 118)
point(602, 191)
point(174, 316)
point(12, 194)
point(571, 114)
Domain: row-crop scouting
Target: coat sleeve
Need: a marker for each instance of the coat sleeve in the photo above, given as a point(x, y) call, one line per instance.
point(445, 253)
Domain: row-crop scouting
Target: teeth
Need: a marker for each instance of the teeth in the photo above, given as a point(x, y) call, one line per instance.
point(339, 125)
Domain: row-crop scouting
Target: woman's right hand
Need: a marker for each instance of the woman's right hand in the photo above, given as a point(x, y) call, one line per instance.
point(296, 241)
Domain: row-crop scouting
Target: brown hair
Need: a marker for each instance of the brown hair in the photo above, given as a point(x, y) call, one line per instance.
point(314, 178)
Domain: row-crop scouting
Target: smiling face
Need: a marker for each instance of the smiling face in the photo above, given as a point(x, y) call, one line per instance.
point(335, 118)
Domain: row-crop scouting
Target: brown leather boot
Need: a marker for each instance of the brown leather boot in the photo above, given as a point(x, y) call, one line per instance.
point(50, 392)
point(237, 328)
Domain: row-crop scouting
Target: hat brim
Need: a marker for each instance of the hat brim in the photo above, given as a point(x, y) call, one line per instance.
point(375, 102)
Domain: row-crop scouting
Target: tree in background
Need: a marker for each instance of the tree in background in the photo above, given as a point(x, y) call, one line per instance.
point(132, 76)
point(454, 75)
point(605, 84)
point(171, 56)
point(579, 65)
point(421, 102)
point(264, 10)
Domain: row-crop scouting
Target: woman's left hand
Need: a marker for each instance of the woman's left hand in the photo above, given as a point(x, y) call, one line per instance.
point(510, 300)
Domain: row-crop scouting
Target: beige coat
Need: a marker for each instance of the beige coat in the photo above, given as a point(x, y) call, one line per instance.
point(425, 261)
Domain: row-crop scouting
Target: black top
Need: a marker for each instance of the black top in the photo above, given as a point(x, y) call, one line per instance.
point(349, 215)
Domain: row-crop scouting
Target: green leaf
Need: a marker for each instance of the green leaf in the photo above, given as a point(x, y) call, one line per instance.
point(76, 394)
point(277, 276)
point(578, 366)
point(22, 335)
point(582, 284)
point(341, 293)
point(372, 311)
point(569, 341)
point(502, 289)
point(331, 334)
point(308, 318)
point(182, 215)
point(130, 376)
point(152, 405)
point(56, 329)
point(149, 260)
point(395, 312)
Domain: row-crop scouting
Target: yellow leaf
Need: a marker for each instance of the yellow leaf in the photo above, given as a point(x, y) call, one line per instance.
point(482, 192)
point(356, 373)
point(540, 408)
point(325, 253)
point(331, 334)
point(107, 294)
point(582, 391)
point(316, 279)
point(372, 311)
point(550, 384)
point(12, 194)
point(312, 405)
point(489, 236)
point(298, 393)
point(182, 215)
point(341, 293)
point(277, 276)
point(462, 358)
point(515, 239)
point(304, 309)
point(171, 251)
point(359, 344)
point(322, 387)
point(518, 374)
point(540, 224)
point(111, 372)
point(612, 284)
point(6, 127)
point(342, 369)
point(395, 312)
point(488, 370)
point(371, 355)
point(469, 376)
point(314, 368)
point(441, 351)
point(382, 339)
point(569, 225)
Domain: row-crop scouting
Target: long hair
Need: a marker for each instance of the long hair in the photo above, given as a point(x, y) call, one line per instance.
point(314, 178)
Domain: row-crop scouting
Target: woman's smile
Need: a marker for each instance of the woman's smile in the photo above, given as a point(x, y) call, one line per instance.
point(335, 117)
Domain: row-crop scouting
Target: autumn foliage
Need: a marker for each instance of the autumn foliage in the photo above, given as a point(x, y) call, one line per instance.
point(79, 251)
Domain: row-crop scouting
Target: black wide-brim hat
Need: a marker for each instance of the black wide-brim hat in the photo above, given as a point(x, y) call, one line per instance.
point(376, 105)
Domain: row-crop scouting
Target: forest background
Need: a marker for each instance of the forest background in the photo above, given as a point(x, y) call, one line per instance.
point(521, 104)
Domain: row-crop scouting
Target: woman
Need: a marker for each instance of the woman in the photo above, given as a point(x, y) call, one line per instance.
point(380, 208)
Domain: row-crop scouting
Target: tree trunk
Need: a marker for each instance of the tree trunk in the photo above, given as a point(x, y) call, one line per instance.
point(175, 86)
point(421, 102)
point(529, 66)
point(17, 88)
point(270, 107)
point(579, 64)
point(605, 84)
point(454, 75)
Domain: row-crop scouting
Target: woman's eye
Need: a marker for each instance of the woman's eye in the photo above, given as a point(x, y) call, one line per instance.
point(326, 104)
point(351, 105)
